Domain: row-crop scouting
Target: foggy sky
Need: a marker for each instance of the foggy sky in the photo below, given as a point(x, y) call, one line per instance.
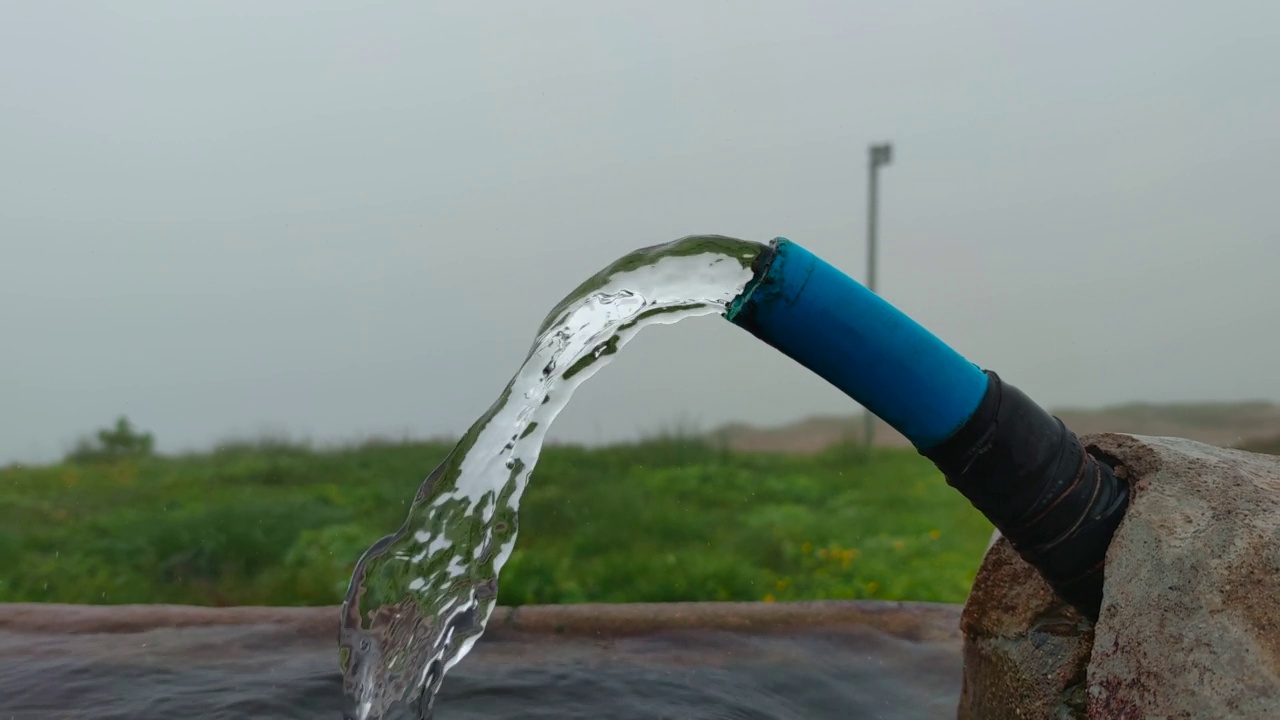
point(337, 219)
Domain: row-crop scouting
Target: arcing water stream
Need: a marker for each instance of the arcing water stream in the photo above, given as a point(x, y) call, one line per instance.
point(419, 598)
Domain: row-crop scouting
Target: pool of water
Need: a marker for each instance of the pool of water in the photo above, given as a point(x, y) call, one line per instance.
point(749, 670)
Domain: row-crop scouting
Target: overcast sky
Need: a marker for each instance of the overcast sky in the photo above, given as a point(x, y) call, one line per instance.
point(336, 219)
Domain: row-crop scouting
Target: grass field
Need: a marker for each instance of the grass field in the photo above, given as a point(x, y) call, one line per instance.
point(275, 524)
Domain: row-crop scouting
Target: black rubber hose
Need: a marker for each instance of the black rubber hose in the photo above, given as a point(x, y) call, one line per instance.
point(1057, 504)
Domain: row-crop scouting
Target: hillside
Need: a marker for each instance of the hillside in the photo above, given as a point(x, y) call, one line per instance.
point(1251, 424)
point(661, 521)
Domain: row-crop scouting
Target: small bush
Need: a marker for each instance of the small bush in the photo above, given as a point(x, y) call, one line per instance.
point(114, 443)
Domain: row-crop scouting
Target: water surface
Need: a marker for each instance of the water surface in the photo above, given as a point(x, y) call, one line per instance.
point(261, 672)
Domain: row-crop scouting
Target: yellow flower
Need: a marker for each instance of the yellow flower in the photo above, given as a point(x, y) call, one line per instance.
point(934, 534)
point(872, 587)
point(898, 545)
point(807, 547)
point(769, 597)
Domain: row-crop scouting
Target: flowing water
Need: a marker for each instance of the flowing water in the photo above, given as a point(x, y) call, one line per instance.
point(419, 598)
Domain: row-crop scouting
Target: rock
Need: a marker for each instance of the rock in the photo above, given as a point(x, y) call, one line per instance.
point(1190, 622)
point(911, 621)
point(1024, 649)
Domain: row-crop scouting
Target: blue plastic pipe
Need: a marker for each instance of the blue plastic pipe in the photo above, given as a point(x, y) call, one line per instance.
point(1056, 503)
point(861, 344)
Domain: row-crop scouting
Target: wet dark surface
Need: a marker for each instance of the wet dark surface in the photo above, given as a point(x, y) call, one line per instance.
point(269, 673)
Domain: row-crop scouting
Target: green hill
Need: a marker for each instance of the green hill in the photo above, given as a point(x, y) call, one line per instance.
point(661, 521)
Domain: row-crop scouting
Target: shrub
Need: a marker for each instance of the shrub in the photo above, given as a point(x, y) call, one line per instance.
point(114, 443)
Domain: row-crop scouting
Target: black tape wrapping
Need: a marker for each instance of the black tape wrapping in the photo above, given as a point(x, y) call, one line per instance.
point(1057, 504)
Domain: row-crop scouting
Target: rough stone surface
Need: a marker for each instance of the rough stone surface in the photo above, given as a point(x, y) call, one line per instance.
point(1190, 622)
point(1024, 650)
point(915, 621)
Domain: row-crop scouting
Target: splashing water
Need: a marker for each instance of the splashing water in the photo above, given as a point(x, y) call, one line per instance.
point(419, 599)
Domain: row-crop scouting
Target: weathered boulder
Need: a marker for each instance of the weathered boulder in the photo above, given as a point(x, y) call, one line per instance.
point(1025, 650)
point(1190, 621)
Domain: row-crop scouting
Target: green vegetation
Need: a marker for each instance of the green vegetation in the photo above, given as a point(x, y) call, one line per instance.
point(113, 443)
point(667, 520)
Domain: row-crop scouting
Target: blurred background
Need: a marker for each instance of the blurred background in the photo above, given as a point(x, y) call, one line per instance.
point(261, 262)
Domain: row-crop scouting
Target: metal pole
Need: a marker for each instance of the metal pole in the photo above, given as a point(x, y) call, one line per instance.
point(873, 167)
point(878, 155)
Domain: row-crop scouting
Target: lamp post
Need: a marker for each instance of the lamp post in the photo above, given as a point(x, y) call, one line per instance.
point(878, 155)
